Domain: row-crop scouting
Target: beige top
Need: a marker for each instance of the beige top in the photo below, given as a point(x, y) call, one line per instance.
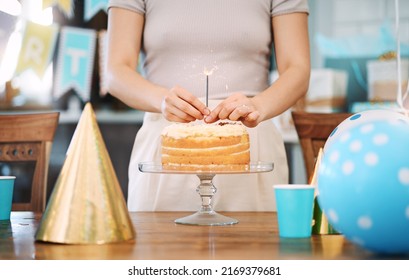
point(230, 38)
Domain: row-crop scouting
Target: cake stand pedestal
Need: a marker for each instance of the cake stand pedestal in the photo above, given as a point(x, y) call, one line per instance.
point(206, 216)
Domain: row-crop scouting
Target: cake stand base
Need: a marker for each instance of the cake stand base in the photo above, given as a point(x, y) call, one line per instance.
point(206, 219)
point(206, 216)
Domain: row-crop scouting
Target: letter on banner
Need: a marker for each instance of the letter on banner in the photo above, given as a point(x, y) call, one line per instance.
point(37, 48)
point(92, 7)
point(64, 5)
point(75, 62)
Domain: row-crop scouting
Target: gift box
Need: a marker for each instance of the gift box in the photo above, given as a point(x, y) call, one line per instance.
point(327, 91)
point(383, 79)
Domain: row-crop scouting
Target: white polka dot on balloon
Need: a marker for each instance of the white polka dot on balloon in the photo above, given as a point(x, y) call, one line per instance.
point(345, 137)
point(334, 156)
point(404, 176)
point(367, 128)
point(380, 139)
point(407, 212)
point(348, 167)
point(365, 222)
point(355, 146)
point(371, 159)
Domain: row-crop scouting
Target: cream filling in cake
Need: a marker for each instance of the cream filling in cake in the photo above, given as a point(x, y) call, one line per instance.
point(223, 146)
point(179, 130)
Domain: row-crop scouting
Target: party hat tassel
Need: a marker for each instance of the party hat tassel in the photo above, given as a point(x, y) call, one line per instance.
point(87, 205)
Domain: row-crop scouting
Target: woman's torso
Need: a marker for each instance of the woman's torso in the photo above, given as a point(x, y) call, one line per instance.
point(230, 37)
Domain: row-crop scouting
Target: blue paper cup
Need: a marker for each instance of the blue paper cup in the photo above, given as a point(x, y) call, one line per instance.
point(294, 209)
point(6, 196)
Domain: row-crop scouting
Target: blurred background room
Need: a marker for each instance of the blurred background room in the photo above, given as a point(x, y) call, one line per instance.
point(52, 56)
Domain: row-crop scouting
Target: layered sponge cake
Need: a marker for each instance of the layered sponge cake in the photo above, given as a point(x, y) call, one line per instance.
point(222, 146)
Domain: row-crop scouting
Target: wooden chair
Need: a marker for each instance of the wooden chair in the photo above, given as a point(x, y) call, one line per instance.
point(26, 139)
point(313, 129)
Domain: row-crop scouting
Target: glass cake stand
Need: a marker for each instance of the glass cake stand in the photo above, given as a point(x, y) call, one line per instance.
point(206, 215)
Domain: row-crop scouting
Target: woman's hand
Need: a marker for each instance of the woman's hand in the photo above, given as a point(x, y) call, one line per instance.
point(236, 107)
point(179, 105)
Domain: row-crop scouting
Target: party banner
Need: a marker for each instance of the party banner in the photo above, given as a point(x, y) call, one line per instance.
point(92, 7)
point(7, 23)
point(37, 48)
point(102, 47)
point(66, 6)
point(75, 61)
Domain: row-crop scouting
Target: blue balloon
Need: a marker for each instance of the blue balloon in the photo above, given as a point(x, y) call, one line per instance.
point(363, 117)
point(363, 184)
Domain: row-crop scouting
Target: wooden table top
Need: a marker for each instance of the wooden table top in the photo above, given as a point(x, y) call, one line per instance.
point(159, 238)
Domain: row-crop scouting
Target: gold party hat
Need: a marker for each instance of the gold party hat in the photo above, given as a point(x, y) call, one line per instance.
point(87, 205)
point(320, 221)
point(332, 245)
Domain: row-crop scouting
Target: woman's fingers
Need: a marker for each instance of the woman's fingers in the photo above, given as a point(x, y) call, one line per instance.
point(182, 106)
point(237, 107)
point(252, 119)
point(240, 112)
